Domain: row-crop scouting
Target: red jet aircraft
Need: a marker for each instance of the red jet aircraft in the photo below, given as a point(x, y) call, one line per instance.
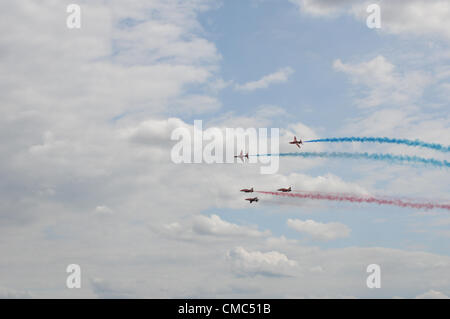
point(296, 142)
point(251, 200)
point(284, 190)
point(241, 156)
point(247, 190)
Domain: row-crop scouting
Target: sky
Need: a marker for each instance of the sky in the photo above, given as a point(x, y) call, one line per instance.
point(87, 177)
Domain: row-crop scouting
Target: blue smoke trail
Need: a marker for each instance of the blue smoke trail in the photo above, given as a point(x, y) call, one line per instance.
point(418, 143)
point(375, 156)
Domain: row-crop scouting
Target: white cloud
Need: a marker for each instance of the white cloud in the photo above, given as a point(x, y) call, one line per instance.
point(103, 210)
point(402, 122)
point(152, 131)
point(384, 84)
point(279, 76)
point(250, 263)
point(214, 225)
point(320, 231)
point(432, 294)
point(263, 116)
point(196, 104)
point(280, 241)
point(303, 182)
point(322, 7)
point(415, 17)
point(100, 56)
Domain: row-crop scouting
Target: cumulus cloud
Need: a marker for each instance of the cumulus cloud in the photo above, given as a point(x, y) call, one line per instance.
point(322, 7)
point(196, 104)
point(320, 231)
point(103, 210)
point(280, 76)
point(382, 84)
point(416, 17)
point(152, 131)
point(212, 226)
point(250, 263)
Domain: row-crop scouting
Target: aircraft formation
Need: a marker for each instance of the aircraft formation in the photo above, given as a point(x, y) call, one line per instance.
point(241, 156)
point(255, 199)
point(357, 198)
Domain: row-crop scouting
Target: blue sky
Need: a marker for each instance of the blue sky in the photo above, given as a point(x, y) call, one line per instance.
point(269, 36)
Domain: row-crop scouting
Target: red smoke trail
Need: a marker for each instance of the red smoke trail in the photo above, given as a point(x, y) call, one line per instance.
point(359, 199)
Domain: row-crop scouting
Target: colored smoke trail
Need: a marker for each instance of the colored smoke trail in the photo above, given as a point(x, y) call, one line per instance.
point(359, 199)
point(374, 156)
point(417, 143)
